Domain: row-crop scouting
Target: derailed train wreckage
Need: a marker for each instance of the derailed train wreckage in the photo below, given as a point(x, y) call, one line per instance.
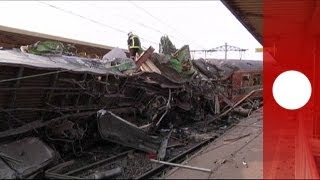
point(51, 105)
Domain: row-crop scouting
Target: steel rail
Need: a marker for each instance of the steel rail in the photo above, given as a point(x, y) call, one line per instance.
point(160, 168)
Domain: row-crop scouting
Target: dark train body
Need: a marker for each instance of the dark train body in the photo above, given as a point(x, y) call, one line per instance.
point(50, 104)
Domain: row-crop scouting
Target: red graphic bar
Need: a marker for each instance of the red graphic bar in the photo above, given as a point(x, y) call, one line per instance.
point(291, 137)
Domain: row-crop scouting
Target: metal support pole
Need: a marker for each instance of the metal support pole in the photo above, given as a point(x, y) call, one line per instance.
point(225, 51)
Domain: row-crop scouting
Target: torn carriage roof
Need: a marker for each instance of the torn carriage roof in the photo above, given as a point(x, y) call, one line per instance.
point(72, 63)
point(237, 64)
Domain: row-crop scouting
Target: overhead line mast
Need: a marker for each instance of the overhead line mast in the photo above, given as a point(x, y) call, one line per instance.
point(226, 48)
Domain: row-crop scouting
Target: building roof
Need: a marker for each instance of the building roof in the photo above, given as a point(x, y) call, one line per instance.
point(295, 15)
point(249, 13)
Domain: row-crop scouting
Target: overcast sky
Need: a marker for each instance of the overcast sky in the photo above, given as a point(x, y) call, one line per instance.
point(201, 24)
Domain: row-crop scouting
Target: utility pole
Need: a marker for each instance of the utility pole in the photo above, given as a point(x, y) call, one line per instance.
point(205, 51)
point(225, 51)
point(226, 48)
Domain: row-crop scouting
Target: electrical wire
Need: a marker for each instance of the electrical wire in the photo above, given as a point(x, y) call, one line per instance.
point(92, 20)
point(117, 29)
point(145, 26)
point(158, 19)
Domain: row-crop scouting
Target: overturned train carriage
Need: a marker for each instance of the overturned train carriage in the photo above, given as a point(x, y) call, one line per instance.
point(71, 102)
point(235, 78)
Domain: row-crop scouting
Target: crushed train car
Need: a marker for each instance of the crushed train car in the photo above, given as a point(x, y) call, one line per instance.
point(71, 102)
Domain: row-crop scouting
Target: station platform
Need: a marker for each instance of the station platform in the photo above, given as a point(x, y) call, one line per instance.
point(238, 153)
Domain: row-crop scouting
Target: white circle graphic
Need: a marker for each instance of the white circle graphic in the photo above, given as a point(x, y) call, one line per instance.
point(291, 90)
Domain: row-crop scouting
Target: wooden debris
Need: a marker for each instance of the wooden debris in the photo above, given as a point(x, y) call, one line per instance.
point(145, 64)
point(235, 105)
point(240, 101)
point(153, 67)
point(144, 56)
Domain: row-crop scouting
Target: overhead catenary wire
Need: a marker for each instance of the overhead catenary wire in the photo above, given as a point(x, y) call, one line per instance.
point(132, 20)
point(158, 19)
point(109, 26)
point(143, 25)
point(92, 20)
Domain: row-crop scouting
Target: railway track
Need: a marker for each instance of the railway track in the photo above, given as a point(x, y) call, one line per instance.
point(128, 163)
point(156, 171)
point(132, 164)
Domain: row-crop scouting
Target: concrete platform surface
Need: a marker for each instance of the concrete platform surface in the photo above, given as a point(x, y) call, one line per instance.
point(237, 154)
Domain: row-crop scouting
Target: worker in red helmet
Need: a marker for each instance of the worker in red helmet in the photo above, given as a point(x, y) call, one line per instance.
point(134, 45)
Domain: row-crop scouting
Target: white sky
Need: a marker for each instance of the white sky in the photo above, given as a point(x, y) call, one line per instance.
point(201, 24)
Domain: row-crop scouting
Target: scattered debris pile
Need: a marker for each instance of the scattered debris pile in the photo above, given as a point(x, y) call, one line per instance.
point(65, 103)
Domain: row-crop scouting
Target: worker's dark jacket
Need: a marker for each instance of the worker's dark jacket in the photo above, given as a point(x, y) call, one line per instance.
point(134, 42)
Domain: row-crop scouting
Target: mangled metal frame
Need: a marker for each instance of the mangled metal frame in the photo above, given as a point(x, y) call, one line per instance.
point(61, 94)
point(118, 130)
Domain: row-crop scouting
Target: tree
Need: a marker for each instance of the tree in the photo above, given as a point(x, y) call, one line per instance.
point(166, 46)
